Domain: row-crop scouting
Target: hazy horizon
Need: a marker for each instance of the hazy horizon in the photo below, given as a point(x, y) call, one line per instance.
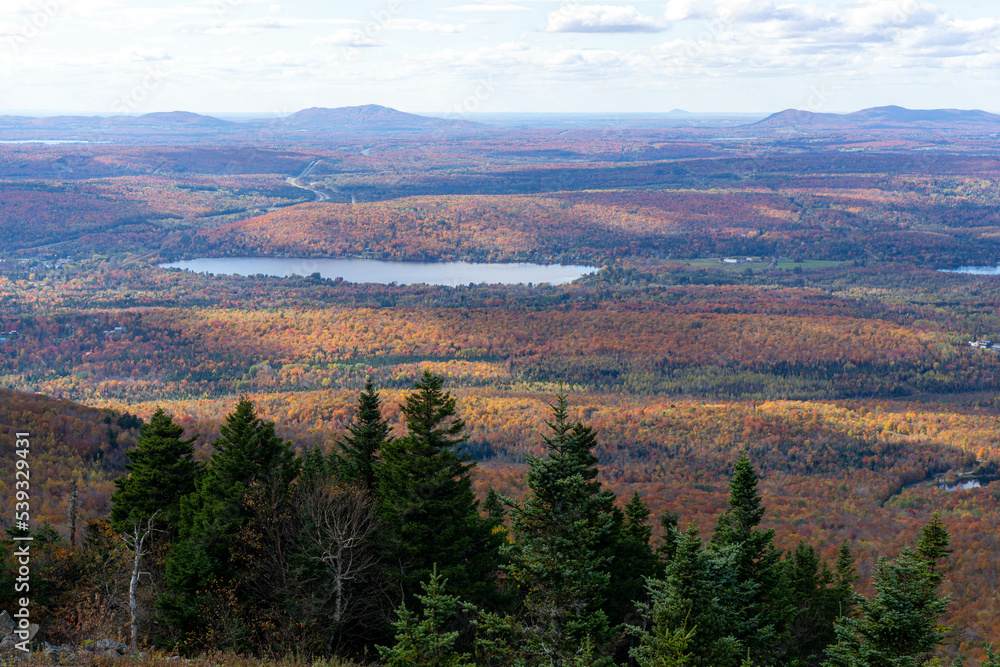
point(496, 56)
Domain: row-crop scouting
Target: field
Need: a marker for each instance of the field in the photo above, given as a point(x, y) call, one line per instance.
point(838, 356)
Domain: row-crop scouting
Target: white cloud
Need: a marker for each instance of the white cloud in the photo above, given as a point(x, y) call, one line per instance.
point(238, 27)
point(418, 25)
point(488, 8)
point(347, 37)
point(601, 18)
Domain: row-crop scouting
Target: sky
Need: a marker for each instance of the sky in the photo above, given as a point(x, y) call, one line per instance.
point(460, 57)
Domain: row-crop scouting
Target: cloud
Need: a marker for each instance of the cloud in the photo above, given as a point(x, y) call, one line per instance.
point(347, 37)
point(488, 8)
point(601, 18)
point(238, 27)
point(417, 25)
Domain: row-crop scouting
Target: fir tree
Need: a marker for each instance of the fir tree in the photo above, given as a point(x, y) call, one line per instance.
point(898, 626)
point(357, 460)
point(425, 490)
point(691, 597)
point(424, 640)
point(845, 574)
point(161, 470)
point(765, 610)
point(933, 545)
point(557, 555)
point(631, 559)
point(248, 453)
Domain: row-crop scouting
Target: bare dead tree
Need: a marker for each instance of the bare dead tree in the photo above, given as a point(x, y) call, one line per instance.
point(71, 511)
point(135, 541)
point(342, 527)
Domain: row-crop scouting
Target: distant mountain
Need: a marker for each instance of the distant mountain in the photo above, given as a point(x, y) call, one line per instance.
point(365, 118)
point(879, 118)
point(176, 119)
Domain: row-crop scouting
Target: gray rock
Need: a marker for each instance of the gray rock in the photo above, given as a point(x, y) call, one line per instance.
point(7, 624)
point(111, 653)
point(36, 637)
point(104, 645)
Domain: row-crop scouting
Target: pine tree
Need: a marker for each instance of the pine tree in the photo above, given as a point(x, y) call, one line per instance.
point(845, 574)
point(425, 490)
point(765, 610)
point(247, 454)
point(557, 555)
point(161, 471)
point(818, 598)
point(357, 461)
point(690, 596)
point(423, 640)
point(933, 545)
point(631, 560)
point(898, 626)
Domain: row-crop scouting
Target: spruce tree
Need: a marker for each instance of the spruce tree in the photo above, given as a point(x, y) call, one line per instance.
point(556, 555)
point(424, 639)
point(691, 598)
point(933, 545)
point(247, 453)
point(898, 626)
point(845, 574)
point(425, 491)
point(356, 461)
point(161, 470)
point(765, 609)
point(631, 559)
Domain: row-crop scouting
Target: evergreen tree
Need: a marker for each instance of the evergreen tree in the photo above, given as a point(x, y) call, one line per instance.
point(691, 596)
point(631, 559)
point(933, 545)
point(845, 575)
point(898, 626)
point(818, 597)
point(765, 609)
point(992, 657)
point(357, 461)
point(425, 490)
point(201, 574)
point(557, 555)
point(494, 505)
point(161, 470)
point(423, 640)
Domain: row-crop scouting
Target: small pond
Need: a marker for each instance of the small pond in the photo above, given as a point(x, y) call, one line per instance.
point(975, 270)
point(386, 272)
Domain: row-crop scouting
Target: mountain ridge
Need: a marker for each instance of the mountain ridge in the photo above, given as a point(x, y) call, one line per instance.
point(884, 117)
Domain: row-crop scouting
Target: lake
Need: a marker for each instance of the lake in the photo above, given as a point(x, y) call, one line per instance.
point(975, 270)
point(962, 483)
point(385, 271)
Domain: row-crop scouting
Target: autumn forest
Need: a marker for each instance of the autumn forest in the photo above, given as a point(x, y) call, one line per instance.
point(775, 322)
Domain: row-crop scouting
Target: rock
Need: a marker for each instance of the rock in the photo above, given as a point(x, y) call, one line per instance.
point(104, 645)
point(7, 624)
point(36, 637)
point(111, 653)
point(63, 650)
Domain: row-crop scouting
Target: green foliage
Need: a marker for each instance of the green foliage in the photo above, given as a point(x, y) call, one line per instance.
point(933, 545)
point(898, 626)
point(556, 557)
point(162, 470)
point(665, 647)
point(764, 609)
point(693, 593)
point(200, 571)
point(431, 512)
point(423, 641)
point(357, 461)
